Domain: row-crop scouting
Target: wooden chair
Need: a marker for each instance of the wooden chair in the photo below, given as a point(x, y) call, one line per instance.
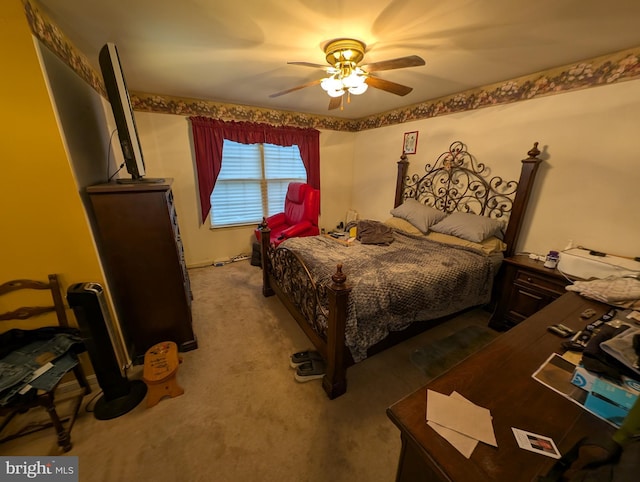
point(43, 398)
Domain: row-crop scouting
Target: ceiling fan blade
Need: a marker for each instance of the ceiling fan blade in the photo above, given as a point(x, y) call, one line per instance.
point(298, 87)
point(399, 63)
point(309, 64)
point(335, 102)
point(388, 86)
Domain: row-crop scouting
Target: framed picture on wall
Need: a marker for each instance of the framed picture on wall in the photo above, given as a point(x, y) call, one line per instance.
point(410, 145)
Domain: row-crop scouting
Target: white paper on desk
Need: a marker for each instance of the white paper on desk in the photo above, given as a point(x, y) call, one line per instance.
point(462, 416)
point(464, 444)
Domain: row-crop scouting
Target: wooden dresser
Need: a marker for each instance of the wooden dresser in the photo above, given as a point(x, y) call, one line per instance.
point(524, 287)
point(141, 250)
point(498, 378)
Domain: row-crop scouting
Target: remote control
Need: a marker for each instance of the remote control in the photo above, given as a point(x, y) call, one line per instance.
point(572, 346)
point(584, 337)
point(565, 328)
point(578, 342)
point(560, 330)
point(594, 325)
point(609, 314)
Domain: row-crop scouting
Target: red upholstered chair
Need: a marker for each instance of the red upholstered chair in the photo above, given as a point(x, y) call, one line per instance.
point(300, 216)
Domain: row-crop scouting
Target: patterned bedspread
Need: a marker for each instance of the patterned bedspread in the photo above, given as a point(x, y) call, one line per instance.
point(412, 279)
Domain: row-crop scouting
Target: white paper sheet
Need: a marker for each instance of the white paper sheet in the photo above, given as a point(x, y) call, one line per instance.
point(461, 416)
point(463, 444)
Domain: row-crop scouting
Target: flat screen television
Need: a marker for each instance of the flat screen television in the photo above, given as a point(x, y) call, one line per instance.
point(118, 95)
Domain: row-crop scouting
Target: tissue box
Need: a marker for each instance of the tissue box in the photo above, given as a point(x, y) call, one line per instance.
point(583, 378)
point(622, 394)
point(605, 409)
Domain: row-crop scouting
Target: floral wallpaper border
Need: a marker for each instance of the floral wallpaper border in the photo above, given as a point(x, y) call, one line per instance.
point(602, 70)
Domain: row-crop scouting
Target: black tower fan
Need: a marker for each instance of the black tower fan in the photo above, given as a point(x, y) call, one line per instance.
point(120, 395)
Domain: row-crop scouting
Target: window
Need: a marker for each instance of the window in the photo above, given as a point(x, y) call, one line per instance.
point(253, 181)
point(208, 141)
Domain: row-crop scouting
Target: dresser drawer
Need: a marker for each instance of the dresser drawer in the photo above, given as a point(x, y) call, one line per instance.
point(535, 281)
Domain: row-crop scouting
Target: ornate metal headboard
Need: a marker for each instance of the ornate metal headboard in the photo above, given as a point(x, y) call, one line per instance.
point(457, 182)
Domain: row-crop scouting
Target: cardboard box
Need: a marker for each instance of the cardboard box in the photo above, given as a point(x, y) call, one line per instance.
point(583, 378)
point(622, 395)
point(625, 393)
point(605, 409)
point(589, 390)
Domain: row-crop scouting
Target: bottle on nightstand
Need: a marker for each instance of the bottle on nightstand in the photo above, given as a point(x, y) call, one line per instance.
point(551, 260)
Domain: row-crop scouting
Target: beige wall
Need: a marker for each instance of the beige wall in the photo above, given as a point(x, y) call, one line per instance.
point(167, 147)
point(587, 187)
point(582, 192)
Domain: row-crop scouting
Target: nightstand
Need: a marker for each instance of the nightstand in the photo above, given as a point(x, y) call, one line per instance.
point(524, 286)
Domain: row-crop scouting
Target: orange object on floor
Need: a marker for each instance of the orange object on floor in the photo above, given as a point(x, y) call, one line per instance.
point(160, 369)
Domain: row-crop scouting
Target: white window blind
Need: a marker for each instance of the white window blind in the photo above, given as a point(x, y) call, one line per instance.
point(253, 181)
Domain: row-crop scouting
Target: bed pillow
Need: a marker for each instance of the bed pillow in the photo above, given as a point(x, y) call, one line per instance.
point(490, 245)
point(418, 214)
point(402, 225)
point(469, 226)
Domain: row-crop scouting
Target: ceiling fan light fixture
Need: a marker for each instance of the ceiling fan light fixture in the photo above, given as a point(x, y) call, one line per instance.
point(344, 49)
point(336, 85)
point(344, 76)
point(335, 92)
point(353, 80)
point(343, 55)
point(331, 83)
point(359, 89)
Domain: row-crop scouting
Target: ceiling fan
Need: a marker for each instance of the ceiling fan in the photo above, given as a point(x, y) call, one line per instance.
point(346, 76)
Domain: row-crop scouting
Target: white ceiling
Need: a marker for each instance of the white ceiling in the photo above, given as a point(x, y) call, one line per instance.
point(237, 51)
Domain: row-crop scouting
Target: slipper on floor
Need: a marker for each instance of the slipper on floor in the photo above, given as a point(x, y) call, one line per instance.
point(301, 357)
point(311, 370)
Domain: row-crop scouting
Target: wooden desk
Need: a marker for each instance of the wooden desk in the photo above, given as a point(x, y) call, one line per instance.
point(498, 377)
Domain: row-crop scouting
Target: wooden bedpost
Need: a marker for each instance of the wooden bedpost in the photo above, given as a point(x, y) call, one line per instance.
point(265, 238)
point(335, 379)
point(525, 184)
point(403, 166)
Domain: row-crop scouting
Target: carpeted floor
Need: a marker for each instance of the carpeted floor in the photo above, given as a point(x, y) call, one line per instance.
point(243, 417)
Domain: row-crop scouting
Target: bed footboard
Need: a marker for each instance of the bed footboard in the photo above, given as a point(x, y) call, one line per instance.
point(285, 275)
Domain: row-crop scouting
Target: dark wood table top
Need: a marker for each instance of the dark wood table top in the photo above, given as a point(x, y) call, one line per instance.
point(498, 378)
